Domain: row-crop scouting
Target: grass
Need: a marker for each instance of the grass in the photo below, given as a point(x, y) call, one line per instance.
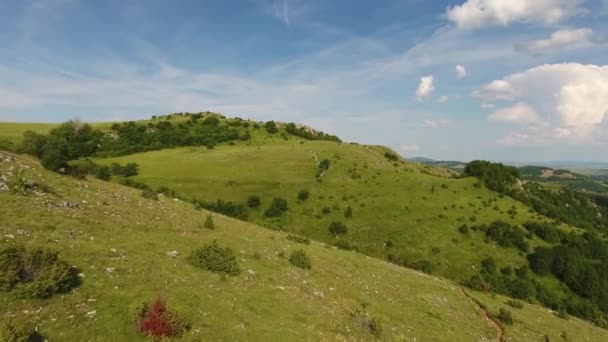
point(131, 235)
point(121, 242)
point(404, 203)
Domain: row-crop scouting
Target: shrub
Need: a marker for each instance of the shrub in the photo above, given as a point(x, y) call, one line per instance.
point(156, 321)
point(348, 213)
point(227, 208)
point(505, 316)
point(366, 321)
point(489, 265)
point(338, 228)
point(300, 259)
point(391, 156)
point(35, 273)
point(464, 229)
point(103, 172)
point(14, 331)
point(344, 244)
point(298, 239)
point(149, 194)
point(130, 169)
point(209, 222)
point(271, 127)
point(253, 201)
point(216, 259)
point(515, 304)
point(303, 195)
point(277, 208)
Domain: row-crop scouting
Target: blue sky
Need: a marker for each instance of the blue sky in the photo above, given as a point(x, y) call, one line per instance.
point(464, 79)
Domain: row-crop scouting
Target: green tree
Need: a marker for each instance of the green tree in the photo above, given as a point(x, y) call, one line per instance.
point(271, 127)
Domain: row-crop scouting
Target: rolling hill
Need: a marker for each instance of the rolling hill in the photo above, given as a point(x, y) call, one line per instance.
point(129, 249)
point(363, 199)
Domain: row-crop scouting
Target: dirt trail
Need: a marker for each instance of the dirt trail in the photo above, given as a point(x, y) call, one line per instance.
point(500, 332)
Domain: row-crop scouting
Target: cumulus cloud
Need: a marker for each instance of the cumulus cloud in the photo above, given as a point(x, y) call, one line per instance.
point(572, 97)
point(461, 71)
point(474, 14)
point(561, 39)
point(519, 113)
point(409, 148)
point(425, 88)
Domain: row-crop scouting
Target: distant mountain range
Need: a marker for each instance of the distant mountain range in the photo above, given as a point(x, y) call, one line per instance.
point(556, 164)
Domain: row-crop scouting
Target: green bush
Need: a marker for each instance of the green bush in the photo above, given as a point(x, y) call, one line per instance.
point(216, 259)
point(348, 213)
point(338, 228)
point(300, 259)
point(515, 304)
point(103, 172)
point(298, 239)
point(35, 273)
point(303, 195)
point(464, 229)
point(209, 222)
point(149, 194)
point(344, 244)
point(505, 316)
point(277, 208)
point(253, 201)
point(14, 331)
point(271, 127)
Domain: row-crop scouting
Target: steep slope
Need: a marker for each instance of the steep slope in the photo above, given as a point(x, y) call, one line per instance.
point(120, 242)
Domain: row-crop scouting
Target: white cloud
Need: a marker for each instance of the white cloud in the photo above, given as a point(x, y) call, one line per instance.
point(425, 88)
point(561, 39)
point(409, 148)
point(443, 99)
point(487, 105)
point(436, 123)
point(461, 71)
point(519, 113)
point(573, 97)
point(474, 14)
point(496, 90)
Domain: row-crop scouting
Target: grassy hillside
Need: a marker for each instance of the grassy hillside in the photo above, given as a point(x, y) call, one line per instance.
point(398, 208)
point(120, 243)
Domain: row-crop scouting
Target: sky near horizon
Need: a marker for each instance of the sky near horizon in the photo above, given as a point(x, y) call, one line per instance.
point(519, 80)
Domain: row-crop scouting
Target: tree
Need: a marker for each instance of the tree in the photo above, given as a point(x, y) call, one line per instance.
point(271, 127)
point(54, 156)
point(338, 228)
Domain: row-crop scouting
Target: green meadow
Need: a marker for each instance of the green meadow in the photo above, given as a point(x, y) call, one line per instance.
point(129, 249)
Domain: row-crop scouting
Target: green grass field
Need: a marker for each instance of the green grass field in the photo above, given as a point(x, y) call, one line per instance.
point(120, 241)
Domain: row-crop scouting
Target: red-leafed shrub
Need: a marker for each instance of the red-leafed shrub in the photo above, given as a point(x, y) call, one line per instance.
point(156, 320)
